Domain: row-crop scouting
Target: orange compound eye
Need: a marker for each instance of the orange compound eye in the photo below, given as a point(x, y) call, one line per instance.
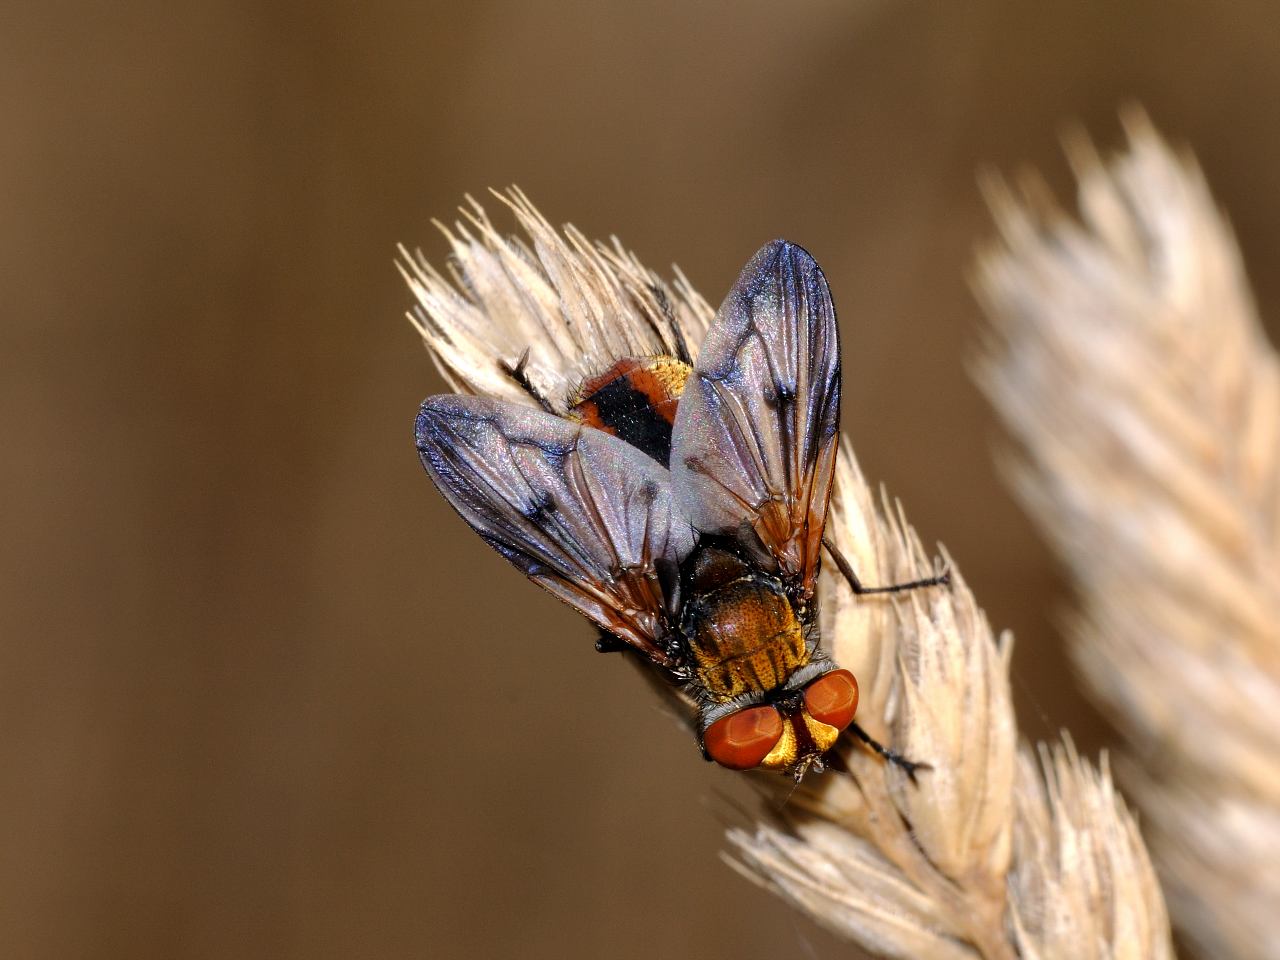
point(832, 698)
point(741, 740)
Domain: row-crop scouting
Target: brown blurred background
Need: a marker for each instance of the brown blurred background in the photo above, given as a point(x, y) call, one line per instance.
point(261, 693)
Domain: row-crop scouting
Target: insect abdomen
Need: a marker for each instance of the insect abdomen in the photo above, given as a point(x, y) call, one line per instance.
point(634, 400)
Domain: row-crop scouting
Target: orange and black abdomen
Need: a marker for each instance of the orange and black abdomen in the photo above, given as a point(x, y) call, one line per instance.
point(634, 400)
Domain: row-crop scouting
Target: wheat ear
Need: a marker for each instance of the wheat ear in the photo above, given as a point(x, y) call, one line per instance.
point(992, 853)
point(1127, 359)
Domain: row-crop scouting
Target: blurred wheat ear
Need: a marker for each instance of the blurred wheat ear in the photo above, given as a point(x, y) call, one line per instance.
point(1127, 359)
point(992, 854)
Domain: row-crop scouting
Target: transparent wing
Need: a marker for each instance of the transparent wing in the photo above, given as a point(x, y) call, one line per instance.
point(581, 513)
point(755, 437)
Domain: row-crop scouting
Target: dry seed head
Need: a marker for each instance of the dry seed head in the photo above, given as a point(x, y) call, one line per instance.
point(1083, 888)
point(906, 870)
point(1126, 357)
point(576, 307)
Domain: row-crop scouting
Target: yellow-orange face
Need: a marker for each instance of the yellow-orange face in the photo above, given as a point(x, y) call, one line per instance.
point(774, 738)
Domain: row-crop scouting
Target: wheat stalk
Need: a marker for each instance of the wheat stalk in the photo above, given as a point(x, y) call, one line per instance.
point(991, 855)
point(1128, 360)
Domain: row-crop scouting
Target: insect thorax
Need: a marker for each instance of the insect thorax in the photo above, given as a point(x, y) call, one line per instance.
point(740, 627)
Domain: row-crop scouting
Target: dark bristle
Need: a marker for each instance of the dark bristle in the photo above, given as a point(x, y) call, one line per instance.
point(518, 372)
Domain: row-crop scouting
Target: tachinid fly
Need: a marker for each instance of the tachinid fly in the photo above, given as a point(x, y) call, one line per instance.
point(681, 509)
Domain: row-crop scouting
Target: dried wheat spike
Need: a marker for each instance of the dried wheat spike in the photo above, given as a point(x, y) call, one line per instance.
point(1127, 358)
point(980, 858)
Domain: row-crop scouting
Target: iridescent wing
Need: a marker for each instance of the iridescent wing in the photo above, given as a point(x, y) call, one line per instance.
point(754, 443)
point(579, 512)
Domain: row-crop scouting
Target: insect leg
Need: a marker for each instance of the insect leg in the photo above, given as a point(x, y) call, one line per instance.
point(519, 373)
point(856, 586)
point(909, 767)
point(608, 643)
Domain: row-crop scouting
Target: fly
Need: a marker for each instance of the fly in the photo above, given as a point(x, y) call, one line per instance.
point(681, 508)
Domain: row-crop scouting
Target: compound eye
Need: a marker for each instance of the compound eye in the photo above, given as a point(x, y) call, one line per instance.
point(741, 740)
point(832, 698)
